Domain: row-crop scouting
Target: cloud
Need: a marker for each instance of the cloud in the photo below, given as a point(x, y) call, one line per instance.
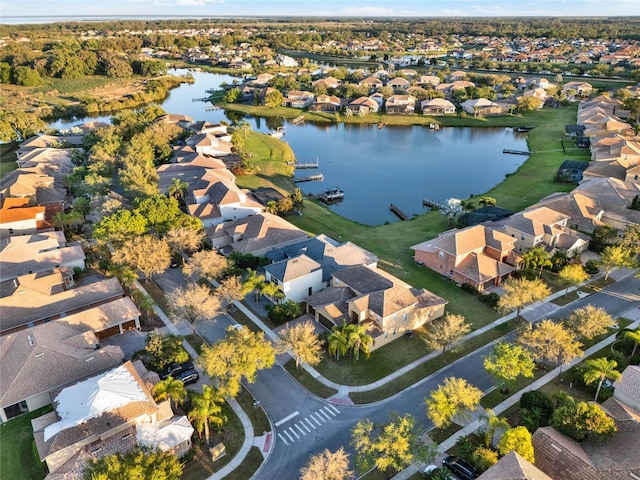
point(367, 11)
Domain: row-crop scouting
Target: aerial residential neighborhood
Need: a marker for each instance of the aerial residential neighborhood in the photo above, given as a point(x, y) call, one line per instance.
point(178, 297)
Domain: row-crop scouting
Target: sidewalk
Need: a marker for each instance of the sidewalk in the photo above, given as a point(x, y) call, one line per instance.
point(633, 315)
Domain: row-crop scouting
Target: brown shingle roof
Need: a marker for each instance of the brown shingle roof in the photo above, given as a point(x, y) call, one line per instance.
point(513, 467)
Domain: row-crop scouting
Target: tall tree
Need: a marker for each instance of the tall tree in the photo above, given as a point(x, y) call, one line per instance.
point(139, 463)
point(178, 189)
point(170, 388)
point(615, 256)
point(549, 340)
point(455, 398)
point(240, 355)
point(444, 332)
point(120, 226)
point(571, 275)
point(253, 282)
point(358, 340)
point(631, 239)
point(517, 439)
point(598, 370)
point(163, 349)
point(327, 465)
point(634, 336)
point(582, 420)
point(589, 322)
point(193, 303)
point(303, 342)
point(392, 446)
point(207, 264)
point(507, 362)
point(520, 292)
point(183, 240)
point(536, 258)
point(147, 253)
point(229, 291)
point(487, 201)
point(206, 410)
point(337, 342)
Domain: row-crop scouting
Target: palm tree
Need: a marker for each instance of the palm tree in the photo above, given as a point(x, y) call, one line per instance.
point(170, 388)
point(357, 339)
point(244, 127)
point(634, 336)
point(125, 275)
point(272, 207)
point(487, 201)
point(599, 369)
point(467, 205)
point(178, 189)
point(253, 283)
point(205, 410)
point(273, 291)
point(337, 342)
point(537, 258)
point(82, 205)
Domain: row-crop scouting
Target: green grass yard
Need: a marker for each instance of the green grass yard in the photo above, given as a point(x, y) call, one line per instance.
point(18, 458)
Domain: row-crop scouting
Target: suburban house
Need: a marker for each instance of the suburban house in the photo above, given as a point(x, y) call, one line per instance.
point(481, 107)
point(363, 105)
point(326, 103)
point(513, 467)
point(255, 234)
point(595, 202)
point(428, 81)
point(40, 297)
point(447, 89)
point(38, 253)
point(542, 226)
point(437, 106)
point(562, 458)
point(305, 267)
point(38, 361)
point(17, 217)
point(399, 83)
point(38, 142)
point(42, 185)
point(372, 83)
point(218, 130)
point(327, 82)
point(376, 299)
point(102, 415)
point(581, 89)
point(400, 104)
point(209, 144)
point(479, 256)
point(298, 99)
point(173, 118)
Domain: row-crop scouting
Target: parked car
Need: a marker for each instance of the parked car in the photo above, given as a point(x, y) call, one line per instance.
point(460, 468)
point(188, 376)
point(175, 368)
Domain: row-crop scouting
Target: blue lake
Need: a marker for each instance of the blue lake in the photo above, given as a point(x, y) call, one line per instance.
point(375, 167)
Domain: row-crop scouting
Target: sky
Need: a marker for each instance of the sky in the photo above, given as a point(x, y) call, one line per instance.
point(342, 8)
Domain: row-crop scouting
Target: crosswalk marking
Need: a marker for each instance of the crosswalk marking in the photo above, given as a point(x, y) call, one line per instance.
point(314, 420)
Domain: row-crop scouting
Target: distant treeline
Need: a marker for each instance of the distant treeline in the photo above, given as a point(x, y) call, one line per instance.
point(627, 28)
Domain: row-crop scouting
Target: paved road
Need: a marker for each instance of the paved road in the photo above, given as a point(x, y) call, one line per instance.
point(281, 396)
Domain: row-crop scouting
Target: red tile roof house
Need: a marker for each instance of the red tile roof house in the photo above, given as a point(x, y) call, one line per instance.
point(326, 103)
point(479, 256)
point(372, 297)
point(437, 106)
point(112, 412)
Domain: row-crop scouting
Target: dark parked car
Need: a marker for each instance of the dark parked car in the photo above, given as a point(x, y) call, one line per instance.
point(460, 468)
point(175, 368)
point(188, 376)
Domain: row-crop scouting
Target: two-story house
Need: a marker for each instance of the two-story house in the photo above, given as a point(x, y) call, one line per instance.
point(478, 255)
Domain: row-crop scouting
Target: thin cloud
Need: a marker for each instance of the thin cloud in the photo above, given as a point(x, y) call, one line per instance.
point(367, 11)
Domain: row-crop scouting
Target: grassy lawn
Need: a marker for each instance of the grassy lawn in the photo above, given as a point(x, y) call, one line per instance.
point(18, 460)
point(307, 381)
point(8, 158)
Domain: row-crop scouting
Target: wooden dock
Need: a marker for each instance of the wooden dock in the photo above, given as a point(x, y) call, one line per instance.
point(398, 212)
point(200, 99)
point(516, 152)
point(212, 108)
point(309, 178)
point(300, 166)
point(298, 119)
point(210, 90)
point(431, 203)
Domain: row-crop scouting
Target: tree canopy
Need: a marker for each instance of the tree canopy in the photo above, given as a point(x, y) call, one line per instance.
point(139, 463)
point(454, 398)
point(327, 465)
point(507, 362)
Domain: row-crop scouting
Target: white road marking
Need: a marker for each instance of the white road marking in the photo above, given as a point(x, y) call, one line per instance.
point(285, 442)
point(301, 431)
point(310, 424)
point(320, 417)
point(314, 419)
point(331, 411)
point(334, 409)
point(325, 415)
point(294, 432)
point(289, 436)
point(287, 418)
point(305, 427)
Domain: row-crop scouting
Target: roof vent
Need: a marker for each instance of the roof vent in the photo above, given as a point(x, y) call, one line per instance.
point(556, 447)
point(88, 359)
point(30, 340)
point(39, 354)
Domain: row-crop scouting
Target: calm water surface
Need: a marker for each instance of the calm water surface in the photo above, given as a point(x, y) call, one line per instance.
point(375, 167)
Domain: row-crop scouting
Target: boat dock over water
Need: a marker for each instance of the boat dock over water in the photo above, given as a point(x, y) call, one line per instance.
point(398, 212)
point(301, 166)
point(516, 152)
point(278, 132)
point(431, 203)
point(309, 178)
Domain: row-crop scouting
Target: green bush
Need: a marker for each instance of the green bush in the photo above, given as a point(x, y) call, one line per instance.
point(536, 408)
point(490, 299)
point(283, 312)
point(592, 267)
